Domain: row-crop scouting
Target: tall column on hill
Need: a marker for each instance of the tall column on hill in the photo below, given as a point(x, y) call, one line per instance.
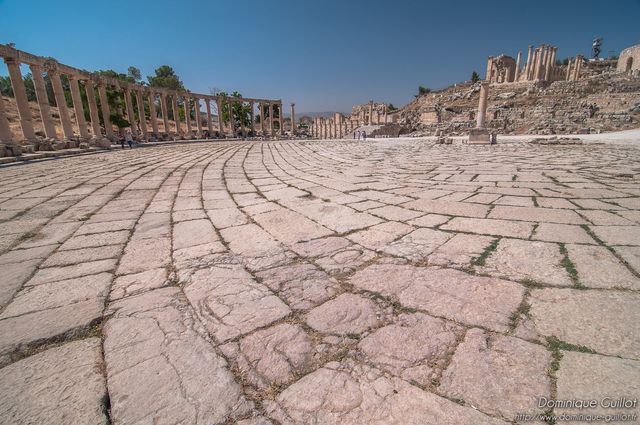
point(220, 120)
point(43, 101)
point(517, 74)
point(207, 103)
point(293, 119)
point(176, 113)
point(528, 65)
point(480, 135)
point(196, 112)
point(20, 95)
point(187, 115)
point(489, 69)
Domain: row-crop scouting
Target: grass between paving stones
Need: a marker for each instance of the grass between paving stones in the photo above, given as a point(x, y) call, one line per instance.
point(569, 266)
point(480, 260)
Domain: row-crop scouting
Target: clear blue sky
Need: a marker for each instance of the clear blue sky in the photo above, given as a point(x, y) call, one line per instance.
point(324, 55)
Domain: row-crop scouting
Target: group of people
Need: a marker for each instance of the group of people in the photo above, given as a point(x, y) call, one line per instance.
point(361, 133)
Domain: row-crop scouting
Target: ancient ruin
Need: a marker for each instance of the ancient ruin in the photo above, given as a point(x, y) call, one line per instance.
point(155, 127)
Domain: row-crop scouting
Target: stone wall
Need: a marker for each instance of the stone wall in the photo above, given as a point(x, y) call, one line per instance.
point(629, 60)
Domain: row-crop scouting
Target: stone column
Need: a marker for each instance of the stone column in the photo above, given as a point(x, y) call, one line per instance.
point(153, 113)
point(164, 110)
point(386, 117)
point(243, 130)
point(78, 107)
point(489, 69)
point(186, 100)
point(20, 95)
point(539, 61)
point(547, 70)
point(578, 68)
point(527, 67)
point(232, 124)
point(93, 108)
point(106, 113)
point(131, 116)
point(187, 115)
point(207, 103)
point(5, 131)
point(141, 114)
point(482, 106)
point(262, 119)
point(43, 102)
point(253, 119)
point(220, 121)
point(370, 112)
point(293, 119)
point(568, 75)
point(61, 102)
point(271, 129)
point(517, 74)
point(281, 118)
point(554, 51)
point(176, 113)
point(196, 112)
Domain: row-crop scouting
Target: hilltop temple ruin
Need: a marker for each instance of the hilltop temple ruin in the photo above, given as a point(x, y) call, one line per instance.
point(100, 132)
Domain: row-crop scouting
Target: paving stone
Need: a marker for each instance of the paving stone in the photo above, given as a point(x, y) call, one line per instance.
point(592, 377)
point(393, 212)
point(256, 247)
point(99, 239)
point(543, 215)
point(605, 321)
point(564, 233)
point(429, 220)
point(630, 254)
point(230, 303)
point(106, 226)
point(459, 251)
point(604, 218)
point(192, 233)
point(375, 237)
point(413, 347)
point(346, 314)
point(65, 258)
point(14, 275)
point(464, 298)
point(333, 216)
point(51, 234)
point(132, 284)
point(302, 286)
point(417, 245)
point(464, 209)
point(498, 375)
point(152, 343)
point(290, 227)
point(598, 268)
point(618, 235)
point(272, 356)
point(515, 259)
point(356, 394)
point(59, 385)
point(483, 226)
point(53, 274)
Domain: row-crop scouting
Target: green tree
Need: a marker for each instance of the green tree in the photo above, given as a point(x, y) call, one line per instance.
point(423, 90)
point(135, 74)
point(167, 78)
point(5, 86)
point(241, 112)
point(475, 77)
point(391, 107)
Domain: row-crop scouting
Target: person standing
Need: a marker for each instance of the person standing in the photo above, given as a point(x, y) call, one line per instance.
point(364, 135)
point(129, 138)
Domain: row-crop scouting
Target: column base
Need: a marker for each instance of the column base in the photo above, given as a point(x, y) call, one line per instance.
point(480, 136)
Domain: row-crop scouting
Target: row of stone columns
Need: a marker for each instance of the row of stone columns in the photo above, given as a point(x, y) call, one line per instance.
point(333, 128)
point(92, 83)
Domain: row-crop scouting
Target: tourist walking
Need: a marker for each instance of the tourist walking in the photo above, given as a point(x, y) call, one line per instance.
point(129, 138)
point(364, 135)
point(357, 134)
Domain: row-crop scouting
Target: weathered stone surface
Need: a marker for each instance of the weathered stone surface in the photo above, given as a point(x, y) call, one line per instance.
point(498, 375)
point(593, 377)
point(376, 237)
point(543, 215)
point(605, 321)
point(459, 251)
point(483, 226)
point(257, 248)
point(59, 385)
point(290, 227)
point(355, 394)
point(132, 284)
point(302, 286)
point(417, 245)
point(230, 303)
point(538, 261)
point(598, 268)
point(464, 209)
point(618, 235)
point(630, 254)
point(14, 275)
point(346, 314)
point(273, 355)
point(160, 367)
point(565, 233)
point(192, 233)
point(52, 274)
point(412, 346)
point(469, 299)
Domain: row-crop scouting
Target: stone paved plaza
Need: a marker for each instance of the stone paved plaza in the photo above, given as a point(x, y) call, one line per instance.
point(318, 282)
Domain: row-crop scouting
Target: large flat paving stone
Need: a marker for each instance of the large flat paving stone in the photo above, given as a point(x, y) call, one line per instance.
point(464, 298)
point(604, 321)
point(62, 385)
point(497, 374)
point(162, 368)
point(350, 393)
